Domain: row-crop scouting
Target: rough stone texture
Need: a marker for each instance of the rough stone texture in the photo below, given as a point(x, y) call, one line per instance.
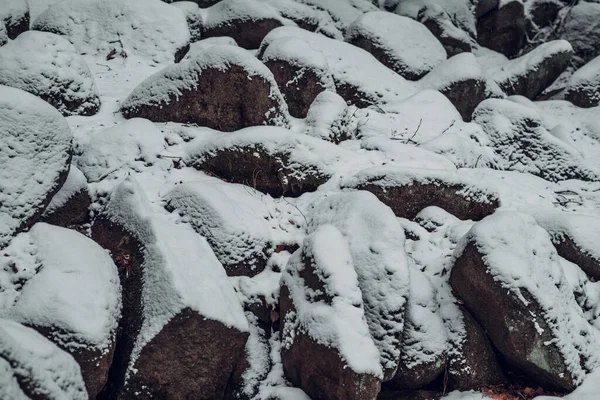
point(408, 200)
point(409, 395)
point(580, 28)
point(543, 12)
point(503, 29)
point(507, 320)
point(240, 95)
point(466, 95)
point(483, 7)
point(14, 15)
point(474, 365)
point(73, 214)
point(567, 249)
point(583, 88)
point(208, 358)
point(418, 376)
point(193, 16)
point(454, 39)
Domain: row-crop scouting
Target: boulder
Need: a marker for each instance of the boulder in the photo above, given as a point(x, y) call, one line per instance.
point(69, 208)
point(229, 217)
point(173, 289)
point(307, 16)
point(32, 367)
point(503, 29)
point(48, 66)
point(424, 340)
point(533, 72)
point(247, 93)
point(34, 161)
point(409, 395)
point(401, 44)
point(3, 36)
point(342, 12)
point(14, 17)
point(580, 28)
point(462, 11)
point(462, 80)
point(327, 349)
point(530, 313)
point(358, 76)
point(375, 238)
point(246, 21)
point(147, 28)
point(542, 13)
point(66, 287)
point(200, 47)
point(522, 143)
point(583, 88)
point(409, 190)
point(271, 160)
point(300, 72)
point(194, 18)
point(454, 39)
point(328, 118)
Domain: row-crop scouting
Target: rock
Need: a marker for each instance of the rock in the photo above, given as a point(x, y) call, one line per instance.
point(401, 44)
point(462, 11)
point(522, 143)
point(3, 36)
point(194, 18)
point(581, 30)
point(65, 286)
point(542, 13)
point(307, 16)
point(246, 21)
point(247, 94)
point(327, 349)
point(583, 88)
point(407, 191)
point(189, 293)
point(359, 78)
point(328, 118)
point(503, 29)
point(483, 7)
point(148, 28)
point(462, 80)
point(343, 12)
point(375, 239)
point(474, 365)
point(34, 160)
point(454, 39)
point(14, 17)
point(48, 66)
point(269, 159)
point(31, 366)
point(530, 315)
point(229, 217)
point(424, 340)
point(69, 208)
point(409, 395)
point(200, 47)
point(533, 72)
point(300, 72)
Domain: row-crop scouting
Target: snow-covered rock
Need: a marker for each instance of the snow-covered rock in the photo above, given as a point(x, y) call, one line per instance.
point(328, 118)
point(462, 11)
point(359, 78)
point(307, 16)
point(454, 39)
point(580, 28)
point(272, 160)
point(533, 72)
point(48, 66)
point(583, 88)
point(147, 28)
point(530, 313)
point(400, 43)
point(375, 239)
point(462, 79)
point(69, 207)
point(231, 218)
point(246, 21)
point(195, 18)
point(64, 285)
point(199, 47)
point(409, 190)
point(247, 93)
point(180, 312)
point(503, 29)
point(31, 366)
point(343, 12)
point(327, 349)
point(14, 17)
point(35, 154)
point(300, 71)
point(522, 143)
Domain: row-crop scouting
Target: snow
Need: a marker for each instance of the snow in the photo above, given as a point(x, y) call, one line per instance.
point(74, 184)
point(231, 217)
point(180, 270)
point(328, 117)
point(13, 11)
point(332, 315)
point(146, 28)
point(412, 57)
point(48, 66)
point(57, 278)
point(375, 240)
point(461, 67)
point(462, 11)
point(343, 12)
point(36, 146)
point(587, 78)
point(194, 16)
point(519, 255)
point(350, 66)
point(227, 11)
point(307, 16)
point(29, 357)
point(200, 47)
point(406, 155)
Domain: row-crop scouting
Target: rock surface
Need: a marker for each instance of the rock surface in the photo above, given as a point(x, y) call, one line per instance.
point(503, 29)
point(583, 88)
